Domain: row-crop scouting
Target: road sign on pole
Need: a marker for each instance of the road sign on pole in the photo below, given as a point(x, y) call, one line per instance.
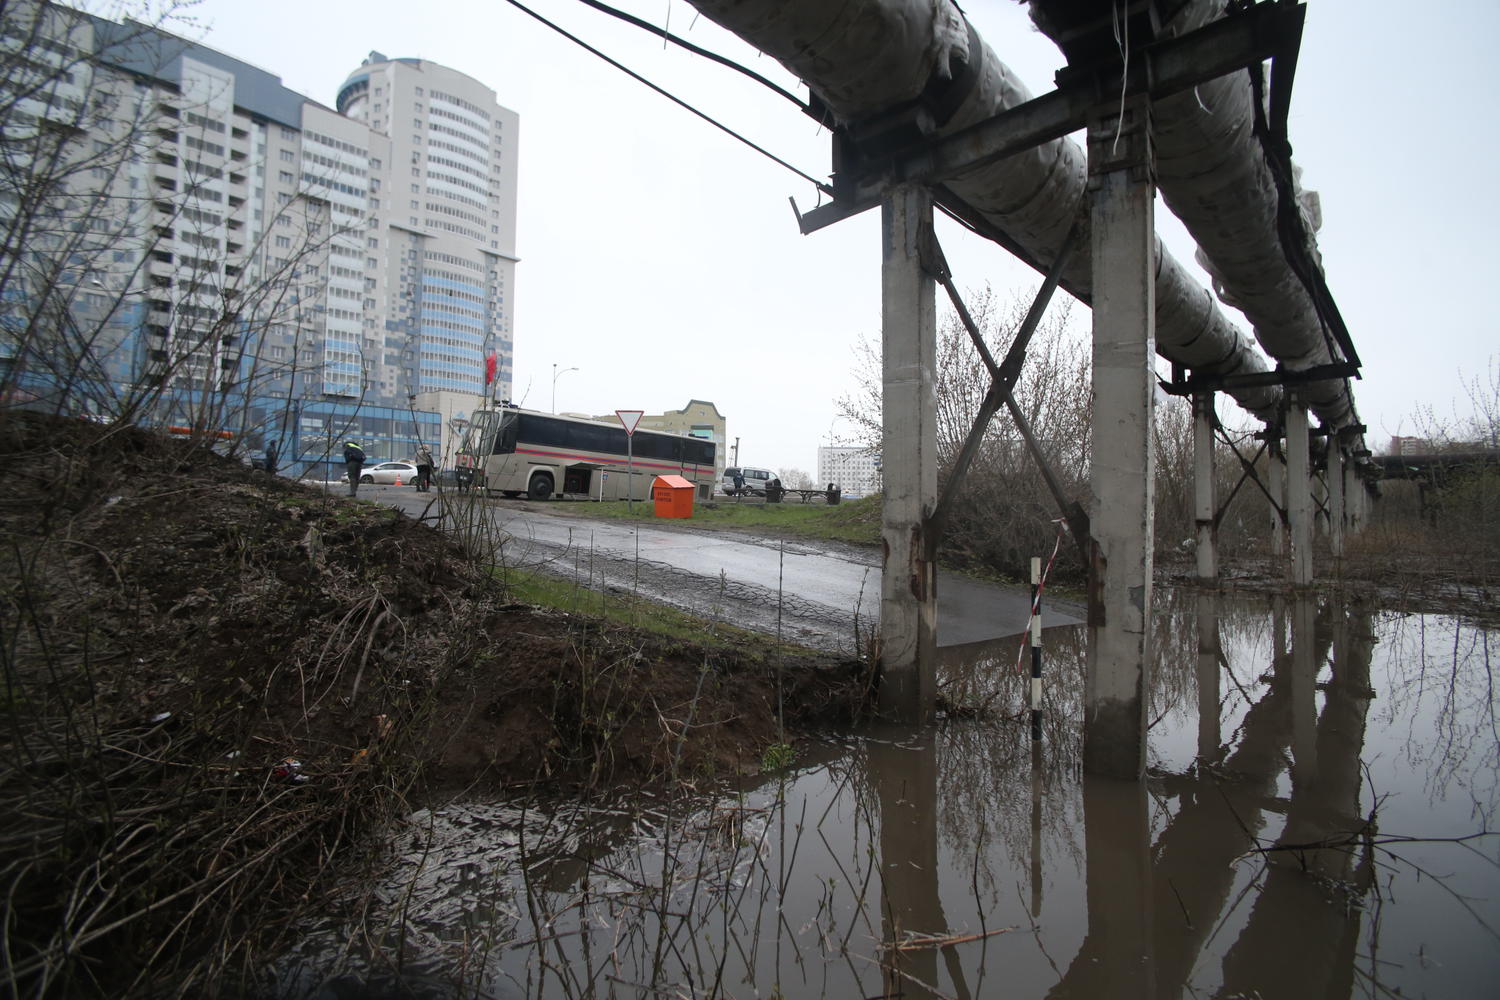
point(628, 420)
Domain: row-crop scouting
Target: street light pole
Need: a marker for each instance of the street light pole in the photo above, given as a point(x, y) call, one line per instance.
point(555, 376)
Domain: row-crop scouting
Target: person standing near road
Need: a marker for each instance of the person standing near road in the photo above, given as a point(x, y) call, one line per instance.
point(424, 470)
point(354, 461)
point(739, 482)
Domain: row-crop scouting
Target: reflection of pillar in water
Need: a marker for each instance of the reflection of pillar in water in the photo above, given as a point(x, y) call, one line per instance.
point(1305, 665)
point(1195, 854)
point(1116, 958)
point(1208, 677)
point(906, 784)
point(1302, 937)
point(1278, 631)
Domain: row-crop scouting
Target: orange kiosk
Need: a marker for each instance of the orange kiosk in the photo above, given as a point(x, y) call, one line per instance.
point(673, 496)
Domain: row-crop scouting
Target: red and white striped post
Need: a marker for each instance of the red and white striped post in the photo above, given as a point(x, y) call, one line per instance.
point(1036, 647)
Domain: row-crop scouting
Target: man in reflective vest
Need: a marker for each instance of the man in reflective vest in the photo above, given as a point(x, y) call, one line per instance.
point(354, 461)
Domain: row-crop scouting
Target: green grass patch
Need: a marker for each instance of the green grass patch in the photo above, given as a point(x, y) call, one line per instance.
point(530, 586)
point(854, 521)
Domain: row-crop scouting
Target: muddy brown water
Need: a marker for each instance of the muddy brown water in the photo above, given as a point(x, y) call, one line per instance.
point(1323, 778)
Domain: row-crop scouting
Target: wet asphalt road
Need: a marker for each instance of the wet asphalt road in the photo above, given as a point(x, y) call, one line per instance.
point(821, 594)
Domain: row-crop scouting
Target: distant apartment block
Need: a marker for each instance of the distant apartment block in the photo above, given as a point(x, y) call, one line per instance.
point(855, 471)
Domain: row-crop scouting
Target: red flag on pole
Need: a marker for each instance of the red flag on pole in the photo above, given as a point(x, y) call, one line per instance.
point(489, 368)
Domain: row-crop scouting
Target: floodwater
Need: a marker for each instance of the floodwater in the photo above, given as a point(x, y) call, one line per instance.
point(1323, 778)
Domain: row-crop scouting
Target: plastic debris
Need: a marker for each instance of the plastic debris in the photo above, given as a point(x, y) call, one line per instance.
point(290, 771)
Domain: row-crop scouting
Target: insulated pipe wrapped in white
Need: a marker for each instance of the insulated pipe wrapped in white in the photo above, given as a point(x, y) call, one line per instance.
point(1213, 175)
point(865, 56)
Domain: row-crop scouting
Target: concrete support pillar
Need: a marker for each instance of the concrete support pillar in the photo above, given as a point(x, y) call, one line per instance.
point(908, 589)
point(1337, 516)
point(1355, 498)
point(1299, 492)
point(1276, 487)
point(1205, 501)
point(1121, 469)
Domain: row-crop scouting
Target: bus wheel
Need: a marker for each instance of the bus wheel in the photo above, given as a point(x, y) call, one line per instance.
point(541, 487)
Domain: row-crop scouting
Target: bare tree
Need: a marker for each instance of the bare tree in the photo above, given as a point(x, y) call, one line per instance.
point(796, 479)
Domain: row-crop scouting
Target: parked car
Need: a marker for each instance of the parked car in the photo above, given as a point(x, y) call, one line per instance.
point(385, 473)
point(756, 480)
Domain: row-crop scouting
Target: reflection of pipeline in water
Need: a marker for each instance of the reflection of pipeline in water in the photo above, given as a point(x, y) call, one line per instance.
point(1190, 881)
point(1311, 934)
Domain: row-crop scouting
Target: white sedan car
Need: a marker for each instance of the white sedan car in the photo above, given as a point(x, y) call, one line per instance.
point(386, 473)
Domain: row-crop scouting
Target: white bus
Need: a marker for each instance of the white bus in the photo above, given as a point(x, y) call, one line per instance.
point(514, 451)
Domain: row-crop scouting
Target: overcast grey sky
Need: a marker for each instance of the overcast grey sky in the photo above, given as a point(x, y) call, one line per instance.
point(660, 257)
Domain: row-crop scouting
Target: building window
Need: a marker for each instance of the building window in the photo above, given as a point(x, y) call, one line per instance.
point(287, 156)
point(283, 242)
point(285, 176)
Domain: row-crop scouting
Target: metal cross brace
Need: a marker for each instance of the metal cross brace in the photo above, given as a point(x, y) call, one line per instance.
point(1003, 378)
point(1247, 466)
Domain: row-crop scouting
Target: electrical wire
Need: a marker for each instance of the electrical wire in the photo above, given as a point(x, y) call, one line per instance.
point(821, 186)
point(699, 50)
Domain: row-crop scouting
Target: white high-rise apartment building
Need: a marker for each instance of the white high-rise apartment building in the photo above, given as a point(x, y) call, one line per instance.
point(232, 235)
point(443, 202)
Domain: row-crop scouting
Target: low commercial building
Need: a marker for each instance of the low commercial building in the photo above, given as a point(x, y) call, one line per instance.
point(699, 419)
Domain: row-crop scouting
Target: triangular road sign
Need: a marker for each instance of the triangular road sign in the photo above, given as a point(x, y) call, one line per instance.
point(630, 418)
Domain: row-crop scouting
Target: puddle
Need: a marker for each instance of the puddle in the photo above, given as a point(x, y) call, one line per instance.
point(1322, 777)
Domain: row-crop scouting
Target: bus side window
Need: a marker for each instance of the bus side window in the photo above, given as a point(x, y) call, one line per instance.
point(505, 441)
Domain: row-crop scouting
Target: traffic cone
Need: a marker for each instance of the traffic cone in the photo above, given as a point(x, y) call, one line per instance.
point(398, 479)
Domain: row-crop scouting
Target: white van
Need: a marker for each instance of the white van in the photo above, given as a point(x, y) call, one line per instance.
point(756, 480)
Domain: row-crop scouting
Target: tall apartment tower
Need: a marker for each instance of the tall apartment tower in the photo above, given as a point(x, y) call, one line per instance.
point(443, 226)
point(228, 250)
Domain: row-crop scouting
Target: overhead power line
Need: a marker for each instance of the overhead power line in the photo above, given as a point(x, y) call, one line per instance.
point(820, 185)
point(699, 50)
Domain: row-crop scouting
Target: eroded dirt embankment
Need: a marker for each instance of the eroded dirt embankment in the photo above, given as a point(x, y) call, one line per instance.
point(180, 627)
